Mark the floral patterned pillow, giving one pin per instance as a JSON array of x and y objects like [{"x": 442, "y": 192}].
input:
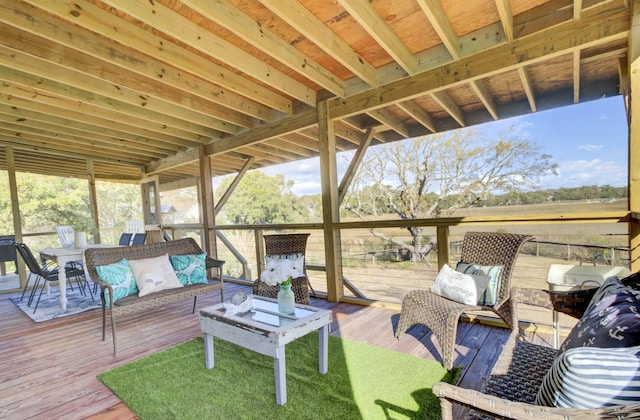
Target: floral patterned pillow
[
  {"x": 297, "y": 259},
  {"x": 190, "y": 269},
  {"x": 120, "y": 277}
]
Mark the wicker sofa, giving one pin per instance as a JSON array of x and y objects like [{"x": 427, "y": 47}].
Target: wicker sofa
[
  {"x": 102, "y": 256},
  {"x": 517, "y": 376}
]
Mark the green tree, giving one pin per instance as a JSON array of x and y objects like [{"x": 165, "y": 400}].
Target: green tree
[
  {"x": 258, "y": 199},
  {"x": 118, "y": 203},
  {"x": 47, "y": 201},
  {"x": 432, "y": 176}
]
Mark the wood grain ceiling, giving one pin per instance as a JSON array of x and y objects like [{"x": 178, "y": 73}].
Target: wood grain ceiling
[{"x": 137, "y": 87}]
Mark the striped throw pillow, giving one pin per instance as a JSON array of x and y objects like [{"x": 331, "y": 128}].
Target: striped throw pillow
[
  {"x": 590, "y": 377},
  {"x": 490, "y": 295}
]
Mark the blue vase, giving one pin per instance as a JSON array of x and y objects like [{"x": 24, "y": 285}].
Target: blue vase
[{"x": 286, "y": 300}]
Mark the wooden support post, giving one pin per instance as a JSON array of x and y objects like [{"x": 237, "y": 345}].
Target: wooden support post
[
  {"x": 330, "y": 205},
  {"x": 444, "y": 249},
  {"x": 634, "y": 137},
  {"x": 93, "y": 201},
  {"x": 206, "y": 204},
  {"x": 259, "y": 250},
  {"x": 15, "y": 211}
]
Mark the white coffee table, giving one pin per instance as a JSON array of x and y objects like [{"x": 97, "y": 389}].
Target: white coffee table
[{"x": 266, "y": 331}]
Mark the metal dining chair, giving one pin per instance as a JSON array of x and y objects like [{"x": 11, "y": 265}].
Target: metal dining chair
[
  {"x": 125, "y": 239},
  {"x": 138, "y": 238},
  {"x": 47, "y": 273}
]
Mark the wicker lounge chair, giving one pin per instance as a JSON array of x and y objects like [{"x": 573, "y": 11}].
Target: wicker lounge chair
[
  {"x": 518, "y": 373},
  {"x": 441, "y": 315},
  {"x": 286, "y": 244}
]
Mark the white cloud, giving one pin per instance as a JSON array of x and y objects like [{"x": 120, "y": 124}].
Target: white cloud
[
  {"x": 591, "y": 147},
  {"x": 579, "y": 173}
]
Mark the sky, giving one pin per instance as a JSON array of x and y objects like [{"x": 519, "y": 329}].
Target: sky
[{"x": 588, "y": 141}]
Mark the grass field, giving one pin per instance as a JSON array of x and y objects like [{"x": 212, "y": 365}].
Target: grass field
[
  {"x": 380, "y": 279},
  {"x": 369, "y": 263}
]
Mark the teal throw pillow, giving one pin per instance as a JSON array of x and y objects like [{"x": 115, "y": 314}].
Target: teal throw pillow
[
  {"x": 490, "y": 296},
  {"x": 190, "y": 269},
  {"x": 120, "y": 277}
]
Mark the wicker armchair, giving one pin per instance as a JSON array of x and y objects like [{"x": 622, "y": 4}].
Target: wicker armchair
[
  {"x": 441, "y": 315},
  {"x": 284, "y": 244},
  {"x": 518, "y": 373}
]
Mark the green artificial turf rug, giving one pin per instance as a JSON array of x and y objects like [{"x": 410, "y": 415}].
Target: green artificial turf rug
[{"x": 363, "y": 382}]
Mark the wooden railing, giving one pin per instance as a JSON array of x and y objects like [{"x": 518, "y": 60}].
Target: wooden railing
[{"x": 446, "y": 231}]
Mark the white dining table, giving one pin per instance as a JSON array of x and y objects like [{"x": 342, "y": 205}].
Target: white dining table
[{"x": 62, "y": 256}]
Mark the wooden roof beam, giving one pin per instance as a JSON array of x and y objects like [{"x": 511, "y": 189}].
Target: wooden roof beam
[
  {"x": 44, "y": 134},
  {"x": 577, "y": 9},
  {"x": 448, "y": 104},
  {"x": 528, "y": 88},
  {"x": 506, "y": 18},
  {"x": 198, "y": 111},
  {"x": 378, "y": 29},
  {"x": 435, "y": 13},
  {"x": 61, "y": 126},
  {"x": 233, "y": 19},
  {"x": 299, "y": 151},
  {"x": 565, "y": 38},
  {"x": 179, "y": 27},
  {"x": 300, "y": 18},
  {"x": 298, "y": 140},
  {"x": 604, "y": 55},
  {"x": 292, "y": 124},
  {"x": 576, "y": 77},
  {"x": 418, "y": 114},
  {"x": 387, "y": 118},
  {"x": 26, "y": 108},
  {"x": 34, "y": 144},
  {"x": 33, "y": 89},
  {"x": 350, "y": 124},
  {"x": 480, "y": 89},
  {"x": 99, "y": 21}
]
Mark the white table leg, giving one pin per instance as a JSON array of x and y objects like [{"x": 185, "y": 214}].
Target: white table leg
[
  {"x": 62, "y": 280},
  {"x": 208, "y": 351},
  {"x": 323, "y": 349},
  {"x": 280, "y": 370}
]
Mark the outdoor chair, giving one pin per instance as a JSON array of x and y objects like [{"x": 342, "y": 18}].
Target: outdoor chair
[
  {"x": 66, "y": 235},
  {"x": 138, "y": 238},
  {"x": 125, "y": 239},
  {"x": 441, "y": 315},
  {"x": 47, "y": 273},
  {"x": 134, "y": 226},
  {"x": 286, "y": 246},
  {"x": 510, "y": 391}
]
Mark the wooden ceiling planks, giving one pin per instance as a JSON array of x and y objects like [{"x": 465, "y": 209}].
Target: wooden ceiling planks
[{"x": 142, "y": 84}]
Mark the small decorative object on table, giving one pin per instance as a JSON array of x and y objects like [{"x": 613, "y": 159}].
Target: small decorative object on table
[
  {"x": 240, "y": 303},
  {"x": 282, "y": 272}
]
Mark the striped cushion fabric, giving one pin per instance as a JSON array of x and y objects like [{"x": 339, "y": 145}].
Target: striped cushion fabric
[
  {"x": 590, "y": 377},
  {"x": 490, "y": 295}
]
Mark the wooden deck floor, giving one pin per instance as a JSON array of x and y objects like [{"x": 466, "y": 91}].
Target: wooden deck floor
[{"x": 48, "y": 370}]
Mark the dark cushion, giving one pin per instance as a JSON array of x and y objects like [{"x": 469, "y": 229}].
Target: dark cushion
[{"x": 612, "y": 319}]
